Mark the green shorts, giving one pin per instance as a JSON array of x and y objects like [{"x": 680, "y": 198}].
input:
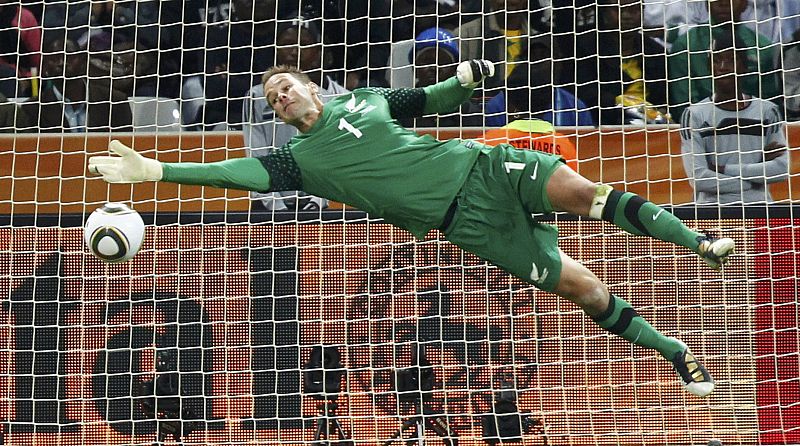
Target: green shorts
[{"x": 493, "y": 217}]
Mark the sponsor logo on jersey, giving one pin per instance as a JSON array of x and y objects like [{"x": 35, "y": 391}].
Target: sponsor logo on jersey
[{"x": 362, "y": 107}]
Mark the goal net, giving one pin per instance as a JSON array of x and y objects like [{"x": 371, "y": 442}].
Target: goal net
[{"x": 289, "y": 319}]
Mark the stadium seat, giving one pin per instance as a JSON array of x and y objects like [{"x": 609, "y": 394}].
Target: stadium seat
[{"x": 154, "y": 114}]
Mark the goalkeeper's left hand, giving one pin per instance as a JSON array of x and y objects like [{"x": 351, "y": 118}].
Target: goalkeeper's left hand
[{"x": 472, "y": 72}]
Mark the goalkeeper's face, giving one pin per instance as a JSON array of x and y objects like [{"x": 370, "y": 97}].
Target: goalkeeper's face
[{"x": 292, "y": 99}]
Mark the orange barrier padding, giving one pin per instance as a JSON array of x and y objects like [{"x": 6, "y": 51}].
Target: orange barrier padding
[
  {"x": 46, "y": 173},
  {"x": 646, "y": 161},
  {"x": 554, "y": 143}
]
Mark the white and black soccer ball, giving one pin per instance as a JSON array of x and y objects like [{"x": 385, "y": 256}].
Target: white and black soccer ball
[{"x": 114, "y": 232}]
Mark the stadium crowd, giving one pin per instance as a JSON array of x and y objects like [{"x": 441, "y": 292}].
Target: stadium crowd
[{"x": 576, "y": 62}]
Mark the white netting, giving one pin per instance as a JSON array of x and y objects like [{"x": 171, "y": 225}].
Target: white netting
[{"x": 221, "y": 318}]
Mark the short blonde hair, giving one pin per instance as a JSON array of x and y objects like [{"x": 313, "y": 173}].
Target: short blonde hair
[{"x": 285, "y": 69}]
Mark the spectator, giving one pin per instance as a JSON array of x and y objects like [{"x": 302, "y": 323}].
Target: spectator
[
  {"x": 574, "y": 21},
  {"x": 575, "y": 25},
  {"x": 20, "y": 49},
  {"x": 498, "y": 36},
  {"x": 666, "y": 20},
  {"x": 411, "y": 16},
  {"x": 237, "y": 49},
  {"x": 776, "y": 19},
  {"x": 357, "y": 37},
  {"x": 368, "y": 39},
  {"x": 689, "y": 61},
  {"x": 83, "y": 20},
  {"x": 791, "y": 77},
  {"x": 420, "y": 56},
  {"x": 632, "y": 68},
  {"x": 104, "y": 24},
  {"x": 435, "y": 56},
  {"x": 123, "y": 38},
  {"x": 72, "y": 101},
  {"x": 151, "y": 60},
  {"x": 298, "y": 45},
  {"x": 532, "y": 93},
  {"x": 200, "y": 18},
  {"x": 733, "y": 144},
  {"x": 169, "y": 23}
]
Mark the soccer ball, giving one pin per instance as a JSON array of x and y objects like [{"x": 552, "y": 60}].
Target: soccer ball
[{"x": 114, "y": 232}]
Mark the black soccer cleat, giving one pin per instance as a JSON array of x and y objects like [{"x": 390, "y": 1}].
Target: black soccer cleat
[
  {"x": 715, "y": 251},
  {"x": 694, "y": 376}
]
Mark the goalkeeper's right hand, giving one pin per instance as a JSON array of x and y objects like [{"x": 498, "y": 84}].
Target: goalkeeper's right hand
[
  {"x": 128, "y": 167},
  {"x": 472, "y": 72}
]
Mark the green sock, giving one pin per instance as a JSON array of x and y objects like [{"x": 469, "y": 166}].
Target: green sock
[
  {"x": 640, "y": 217},
  {"x": 622, "y": 320}
]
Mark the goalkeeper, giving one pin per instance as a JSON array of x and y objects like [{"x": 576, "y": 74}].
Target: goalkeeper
[{"x": 353, "y": 150}]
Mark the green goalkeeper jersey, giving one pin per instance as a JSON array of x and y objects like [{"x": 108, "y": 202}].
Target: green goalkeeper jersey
[{"x": 357, "y": 153}]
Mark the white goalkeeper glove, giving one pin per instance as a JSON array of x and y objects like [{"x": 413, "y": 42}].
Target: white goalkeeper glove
[
  {"x": 128, "y": 167},
  {"x": 472, "y": 72}
]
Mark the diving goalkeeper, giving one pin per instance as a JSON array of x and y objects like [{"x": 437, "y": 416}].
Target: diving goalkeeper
[{"x": 353, "y": 150}]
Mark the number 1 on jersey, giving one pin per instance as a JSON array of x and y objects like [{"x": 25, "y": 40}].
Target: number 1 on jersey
[
  {"x": 344, "y": 125},
  {"x": 513, "y": 166}
]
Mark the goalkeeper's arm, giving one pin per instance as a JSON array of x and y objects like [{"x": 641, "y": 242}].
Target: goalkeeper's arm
[
  {"x": 448, "y": 95},
  {"x": 443, "y": 97},
  {"x": 131, "y": 167},
  {"x": 241, "y": 173}
]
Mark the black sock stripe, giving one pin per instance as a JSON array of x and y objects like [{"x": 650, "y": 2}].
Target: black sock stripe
[
  {"x": 611, "y": 206},
  {"x": 606, "y": 314},
  {"x": 632, "y": 213},
  {"x": 625, "y": 318}
]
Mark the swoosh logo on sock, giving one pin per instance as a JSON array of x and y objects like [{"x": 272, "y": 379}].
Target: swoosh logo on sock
[{"x": 659, "y": 213}]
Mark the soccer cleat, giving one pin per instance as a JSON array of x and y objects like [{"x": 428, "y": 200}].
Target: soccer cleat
[
  {"x": 694, "y": 376},
  {"x": 715, "y": 251}
]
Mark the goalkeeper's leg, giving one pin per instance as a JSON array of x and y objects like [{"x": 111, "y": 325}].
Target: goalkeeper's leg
[
  {"x": 573, "y": 193},
  {"x": 614, "y": 314}
]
